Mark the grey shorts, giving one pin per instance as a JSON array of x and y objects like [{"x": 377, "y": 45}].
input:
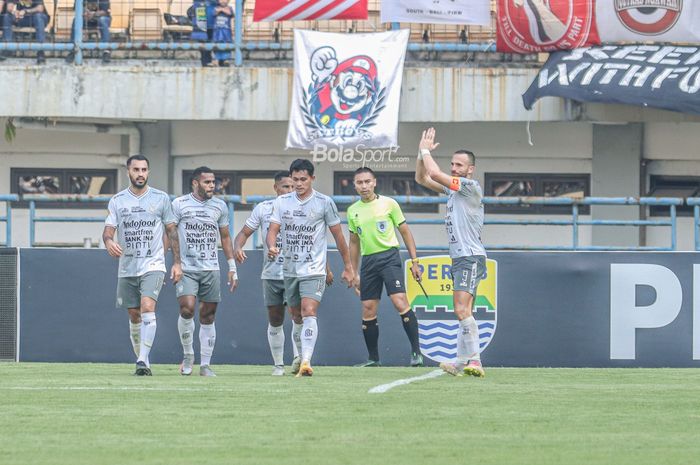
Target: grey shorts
[
  {"x": 205, "y": 285},
  {"x": 273, "y": 292},
  {"x": 311, "y": 287},
  {"x": 467, "y": 272},
  {"x": 130, "y": 289}
]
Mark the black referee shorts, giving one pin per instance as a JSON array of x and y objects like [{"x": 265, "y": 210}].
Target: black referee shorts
[{"x": 381, "y": 269}]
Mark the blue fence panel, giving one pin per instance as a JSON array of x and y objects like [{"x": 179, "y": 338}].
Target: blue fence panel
[{"x": 7, "y": 219}]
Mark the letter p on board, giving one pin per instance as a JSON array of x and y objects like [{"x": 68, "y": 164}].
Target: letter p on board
[{"x": 626, "y": 316}]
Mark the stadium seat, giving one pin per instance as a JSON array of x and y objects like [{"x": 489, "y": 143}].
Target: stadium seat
[
  {"x": 63, "y": 22},
  {"x": 145, "y": 24},
  {"x": 176, "y": 31}
]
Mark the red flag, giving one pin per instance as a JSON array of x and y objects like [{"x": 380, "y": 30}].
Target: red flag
[
  {"x": 300, "y": 10},
  {"x": 531, "y": 26}
]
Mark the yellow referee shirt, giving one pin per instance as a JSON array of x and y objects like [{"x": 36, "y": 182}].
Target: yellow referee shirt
[{"x": 375, "y": 222}]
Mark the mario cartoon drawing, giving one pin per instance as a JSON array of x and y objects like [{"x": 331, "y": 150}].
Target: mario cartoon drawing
[{"x": 344, "y": 98}]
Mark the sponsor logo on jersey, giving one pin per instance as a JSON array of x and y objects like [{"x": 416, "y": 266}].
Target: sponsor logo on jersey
[
  {"x": 648, "y": 17},
  {"x": 437, "y": 323}
]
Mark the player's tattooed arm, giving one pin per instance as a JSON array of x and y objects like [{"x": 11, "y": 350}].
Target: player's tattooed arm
[
  {"x": 348, "y": 273},
  {"x": 113, "y": 249},
  {"x": 271, "y": 239},
  {"x": 238, "y": 243},
  {"x": 176, "y": 271},
  {"x": 434, "y": 174},
  {"x": 232, "y": 278},
  {"x": 426, "y": 145}
]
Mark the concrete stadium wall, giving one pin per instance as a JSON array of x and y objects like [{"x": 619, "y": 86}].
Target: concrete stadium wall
[
  {"x": 551, "y": 309},
  {"x": 666, "y": 148}
]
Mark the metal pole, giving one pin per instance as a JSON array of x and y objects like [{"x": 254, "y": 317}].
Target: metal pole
[
  {"x": 238, "y": 32},
  {"x": 574, "y": 224},
  {"x": 8, "y": 224},
  {"x": 32, "y": 215},
  {"x": 696, "y": 224},
  {"x": 78, "y": 32},
  {"x": 673, "y": 227}
]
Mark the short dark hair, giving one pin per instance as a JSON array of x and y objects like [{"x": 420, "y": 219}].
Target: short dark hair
[
  {"x": 280, "y": 175},
  {"x": 302, "y": 164},
  {"x": 137, "y": 157},
  {"x": 364, "y": 169},
  {"x": 470, "y": 155},
  {"x": 200, "y": 171}
]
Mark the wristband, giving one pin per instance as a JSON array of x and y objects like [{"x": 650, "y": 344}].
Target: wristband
[
  {"x": 424, "y": 152},
  {"x": 231, "y": 264},
  {"x": 414, "y": 260}
]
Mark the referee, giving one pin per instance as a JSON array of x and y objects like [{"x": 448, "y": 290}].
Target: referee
[{"x": 371, "y": 221}]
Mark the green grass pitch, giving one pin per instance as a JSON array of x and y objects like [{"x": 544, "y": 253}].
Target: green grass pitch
[{"x": 101, "y": 414}]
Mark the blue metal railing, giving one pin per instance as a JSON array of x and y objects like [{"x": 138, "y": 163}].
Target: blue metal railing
[
  {"x": 575, "y": 222},
  {"x": 98, "y": 200},
  {"x": 238, "y": 45},
  {"x": 7, "y": 219}
]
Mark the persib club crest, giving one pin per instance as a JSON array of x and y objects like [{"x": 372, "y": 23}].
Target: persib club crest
[
  {"x": 344, "y": 99},
  {"x": 437, "y": 323}
]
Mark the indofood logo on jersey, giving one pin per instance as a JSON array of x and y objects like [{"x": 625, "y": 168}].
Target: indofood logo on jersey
[
  {"x": 648, "y": 17},
  {"x": 437, "y": 322},
  {"x": 344, "y": 99}
]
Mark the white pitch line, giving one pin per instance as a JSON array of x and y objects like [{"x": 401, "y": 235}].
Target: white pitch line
[
  {"x": 107, "y": 388},
  {"x": 400, "y": 382}
]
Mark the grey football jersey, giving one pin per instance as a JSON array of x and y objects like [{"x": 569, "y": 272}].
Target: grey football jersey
[
  {"x": 198, "y": 226},
  {"x": 139, "y": 222},
  {"x": 303, "y": 230},
  {"x": 464, "y": 218},
  {"x": 260, "y": 218}
]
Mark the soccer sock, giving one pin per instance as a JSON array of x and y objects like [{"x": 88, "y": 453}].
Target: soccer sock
[
  {"x": 467, "y": 340},
  {"x": 135, "y": 336},
  {"x": 370, "y": 330},
  {"x": 186, "y": 330},
  {"x": 308, "y": 337},
  {"x": 296, "y": 338},
  {"x": 148, "y": 334},
  {"x": 275, "y": 337},
  {"x": 207, "y": 339},
  {"x": 410, "y": 325}
]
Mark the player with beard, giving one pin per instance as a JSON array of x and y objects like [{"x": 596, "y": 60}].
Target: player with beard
[
  {"x": 302, "y": 217},
  {"x": 372, "y": 222},
  {"x": 463, "y": 221},
  {"x": 202, "y": 222},
  {"x": 138, "y": 214}
]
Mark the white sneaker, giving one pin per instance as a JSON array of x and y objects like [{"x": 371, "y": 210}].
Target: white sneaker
[
  {"x": 186, "y": 365},
  {"x": 205, "y": 370},
  {"x": 296, "y": 364},
  {"x": 278, "y": 370}
]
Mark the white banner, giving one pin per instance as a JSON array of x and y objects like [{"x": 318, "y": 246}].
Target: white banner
[
  {"x": 648, "y": 20},
  {"x": 346, "y": 89},
  {"x": 437, "y": 11}
]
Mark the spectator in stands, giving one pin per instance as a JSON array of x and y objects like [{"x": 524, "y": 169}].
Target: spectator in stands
[
  {"x": 201, "y": 13},
  {"x": 26, "y": 13},
  {"x": 97, "y": 15},
  {"x": 223, "y": 14}
]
